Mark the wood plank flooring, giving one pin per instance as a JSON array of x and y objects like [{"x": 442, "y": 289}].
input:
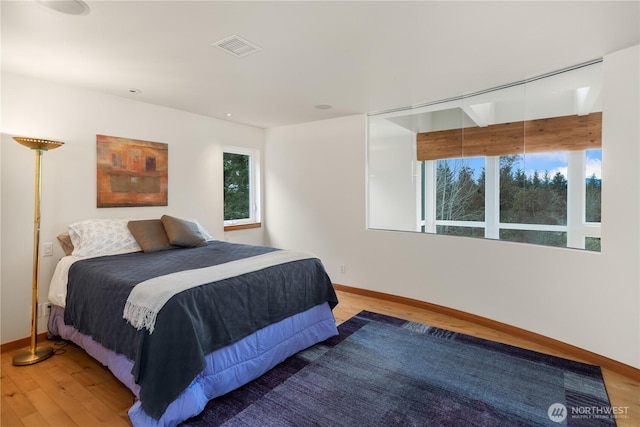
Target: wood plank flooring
[{"x": 72, "y": 389}]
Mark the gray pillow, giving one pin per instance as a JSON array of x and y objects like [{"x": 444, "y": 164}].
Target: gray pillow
[
  {"x": 150, "y": 235},
  {"x": 182, "y": 232},
  {"x": 65, "y": 242}
]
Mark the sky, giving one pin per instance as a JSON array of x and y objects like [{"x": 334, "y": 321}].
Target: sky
[
  {"x": 557, "y": 162},
  {"x": 552, "y": 162}
]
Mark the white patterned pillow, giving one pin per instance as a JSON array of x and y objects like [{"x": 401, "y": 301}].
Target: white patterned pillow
[{"x": 98, "y": 237}]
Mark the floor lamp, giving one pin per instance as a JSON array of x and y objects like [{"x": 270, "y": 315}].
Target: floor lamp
[{"x": 35, "y": 354}]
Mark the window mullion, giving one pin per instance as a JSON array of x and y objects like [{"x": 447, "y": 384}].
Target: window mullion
[
  {"x": 430, "y": 196},
  {"x": 492, "y": 197}
]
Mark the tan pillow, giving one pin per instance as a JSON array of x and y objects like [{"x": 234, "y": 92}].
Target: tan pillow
[
  {"x": 65, "y": 242},
  {"x": 150, "y": 235},
  {"x": 182, "y": 233}
]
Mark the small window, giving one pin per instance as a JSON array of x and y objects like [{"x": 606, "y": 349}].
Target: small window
[{"x": 241, "y": 199}]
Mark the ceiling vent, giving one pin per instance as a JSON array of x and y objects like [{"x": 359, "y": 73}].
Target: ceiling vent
[{"x": 237, "y": 46}]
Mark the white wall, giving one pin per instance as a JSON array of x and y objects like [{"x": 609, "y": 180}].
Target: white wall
[
  {"x": 40, "y": 109},
  {"x": 315, "y": 201}
]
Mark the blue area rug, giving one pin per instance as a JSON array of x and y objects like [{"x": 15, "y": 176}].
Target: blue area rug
[{"x": 383, "y": 371}]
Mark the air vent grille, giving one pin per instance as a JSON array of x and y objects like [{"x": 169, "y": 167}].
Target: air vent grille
[{"x": 237, "y": 46}]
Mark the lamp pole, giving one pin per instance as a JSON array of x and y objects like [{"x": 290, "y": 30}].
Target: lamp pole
[{"x": 35, "y": 354}]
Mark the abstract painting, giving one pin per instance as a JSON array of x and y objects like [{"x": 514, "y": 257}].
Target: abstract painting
[{"x": 131, "y": 172}]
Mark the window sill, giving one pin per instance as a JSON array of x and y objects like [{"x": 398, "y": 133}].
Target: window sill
[{"x": 242, "y": 226}]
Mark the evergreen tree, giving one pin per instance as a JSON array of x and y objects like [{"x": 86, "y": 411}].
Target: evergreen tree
[
  {"x": 536, "y": 199},
  {"x": 236, "y": 186},
  {"x": 594, "y": 200}
]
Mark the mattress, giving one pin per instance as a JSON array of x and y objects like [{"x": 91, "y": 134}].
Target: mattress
[{"x": 226, "y": 369}]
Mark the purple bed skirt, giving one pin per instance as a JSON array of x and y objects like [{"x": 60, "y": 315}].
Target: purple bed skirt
[{"x": 227, "y": 368}]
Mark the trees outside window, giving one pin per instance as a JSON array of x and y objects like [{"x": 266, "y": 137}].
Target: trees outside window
[
  {"x": 533, "y": 203},
  {"x": 240, "y": 186}
]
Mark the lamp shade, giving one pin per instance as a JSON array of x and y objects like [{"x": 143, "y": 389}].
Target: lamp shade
[{"x": 38, "y": 144}]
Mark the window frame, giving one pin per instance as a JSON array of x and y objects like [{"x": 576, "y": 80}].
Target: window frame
[
  {"x": 577, "y": 228},
  {"x": 255, "y": 210}
]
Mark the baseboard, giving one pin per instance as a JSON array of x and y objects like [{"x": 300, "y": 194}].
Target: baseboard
[
  {"x": 21, "y": 343},
  {"x": 577, "y": 352}
]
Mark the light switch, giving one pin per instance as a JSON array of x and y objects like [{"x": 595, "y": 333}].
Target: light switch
[{"x": 47, "y": 249}]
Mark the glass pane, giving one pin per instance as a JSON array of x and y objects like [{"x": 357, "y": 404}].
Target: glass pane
[
  {"x": 593, "y": 174},
  {"x": 547, "y": 238},
  {"x": 460, "y": 189},
  {"x": 237, "y": 191},
  {"x": 592, "y": 244},
  {"x": 394, "y": 176},
  {"x": 512, "y": 185},
  {"x": 460, "y": 231},
  {"x": 533, "y": 188},
  {"x": 493, "y": 158}
]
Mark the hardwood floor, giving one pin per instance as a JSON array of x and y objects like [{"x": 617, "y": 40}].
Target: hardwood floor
[{"x": 72, "y": 389}]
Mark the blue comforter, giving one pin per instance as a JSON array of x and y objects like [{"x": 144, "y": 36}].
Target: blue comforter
[{"x": 193, "y": 323}]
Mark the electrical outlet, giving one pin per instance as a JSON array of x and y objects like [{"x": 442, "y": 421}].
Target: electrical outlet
[
  {"x": 343, "y": 268},
  {"x": 44, "y": 309}
]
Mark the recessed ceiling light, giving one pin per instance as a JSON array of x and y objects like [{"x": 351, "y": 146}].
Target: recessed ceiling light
[
  {"x": 324, "y": 107},
  {"x": 228, "y": 114},
  {"x": 134, "y": 90},
  {"x": 68, "y": 7}
]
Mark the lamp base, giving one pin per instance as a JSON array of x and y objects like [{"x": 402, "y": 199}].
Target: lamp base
[{"x": 28, "y": 358}]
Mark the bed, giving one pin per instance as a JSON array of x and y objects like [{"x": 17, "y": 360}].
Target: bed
[{"x": 181, "y": 318}]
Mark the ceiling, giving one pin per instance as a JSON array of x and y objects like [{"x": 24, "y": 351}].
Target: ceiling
[{"x": 357, "y": 57}]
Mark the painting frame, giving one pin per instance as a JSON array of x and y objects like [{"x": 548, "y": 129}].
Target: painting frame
[{"x": 131, "y": 172}]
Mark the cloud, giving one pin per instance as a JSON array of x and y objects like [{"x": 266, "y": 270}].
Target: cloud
[
  {"x": 563, "y": 170},
  {"x": 551, "y": 156},
  {"x": 594, "y": 166}
]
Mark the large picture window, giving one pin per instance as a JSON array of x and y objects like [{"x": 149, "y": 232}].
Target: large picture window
[{"x": 521, "y": 163}]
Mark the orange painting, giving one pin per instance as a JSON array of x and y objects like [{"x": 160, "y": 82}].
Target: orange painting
[{"x": 131, "y": 172}]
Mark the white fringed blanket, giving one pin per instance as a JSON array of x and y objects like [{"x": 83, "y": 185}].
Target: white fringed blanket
[{"x": 148, "y": 297}]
